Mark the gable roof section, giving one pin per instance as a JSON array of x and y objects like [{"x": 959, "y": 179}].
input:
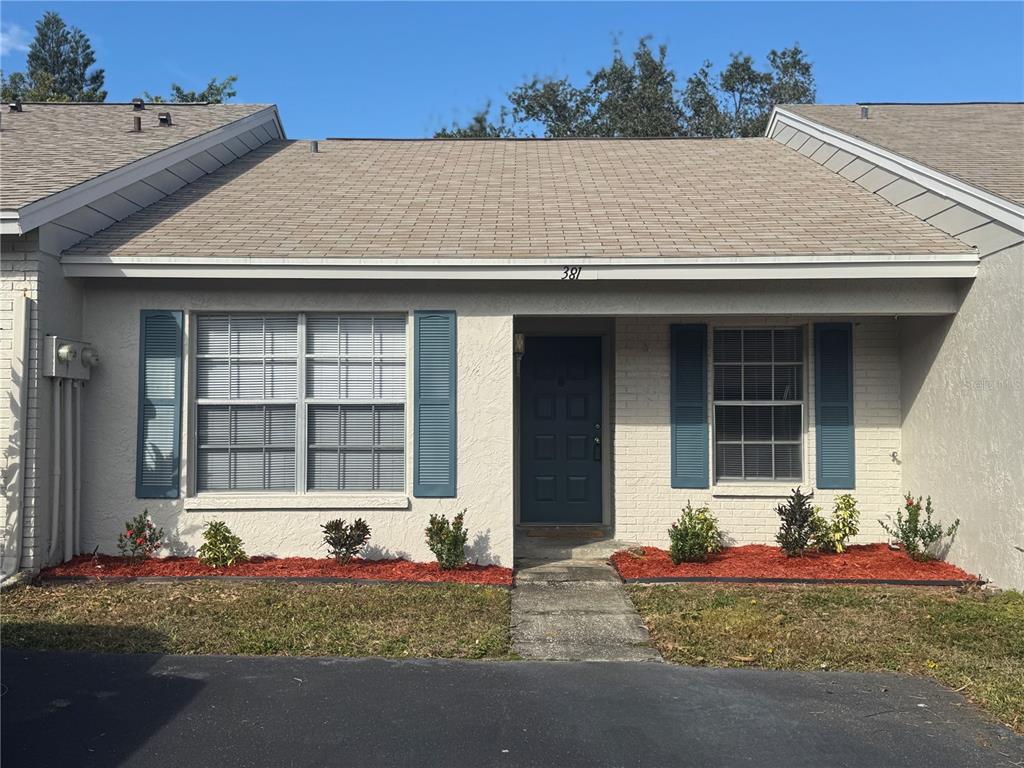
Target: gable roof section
[
  {"x": 488, "y": 201},
  {"x": 981, "y": 144},
  {"x": 986, "y": 150},
  {"x": 50, "y": 153}
]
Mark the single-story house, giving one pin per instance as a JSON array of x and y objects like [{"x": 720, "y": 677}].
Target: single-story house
[{"x": 206, "y": 320}]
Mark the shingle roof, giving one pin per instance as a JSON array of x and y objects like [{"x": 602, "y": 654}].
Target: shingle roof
[
  {"x": 982, "y": 144},
  {"x": 47, "y": 148},
  {"x": 520, "y": 199}
]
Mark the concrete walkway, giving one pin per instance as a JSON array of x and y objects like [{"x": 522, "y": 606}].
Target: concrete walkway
[{"x": 569, "y": 604}]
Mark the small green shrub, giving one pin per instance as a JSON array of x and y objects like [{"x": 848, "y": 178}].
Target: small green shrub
[
  {"x": 801, "y": 523},
  {"x": 915, "y": 534},
  {"x": 835, "y": 533},
  {"x": 694, "y": 536},
  {"x": 344, "y": 541},
  {"x": 221, "y": 547},
  {"x": 447, "y": 540},
  {"x": 140, "y": 538}
]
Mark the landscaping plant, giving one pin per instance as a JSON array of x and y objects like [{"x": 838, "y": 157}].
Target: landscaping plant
[
  {"x": 344, "y": 541},
  {"x": 801, "y": 523},
  {"x": 447, "y": 540},
  {"x": 140, "y": 538},
  {"x": 694, "y": 536},
  {"x": 221, "y": 547},
  {"x": 833, "y": 534},
  {"x": 915, "y": 534}
]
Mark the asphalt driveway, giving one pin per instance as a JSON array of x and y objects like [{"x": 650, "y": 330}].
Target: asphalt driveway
[{"x": 62, "y": 709}]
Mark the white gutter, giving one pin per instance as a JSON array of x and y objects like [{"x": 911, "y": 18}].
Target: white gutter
[
  {"x": 28, "y": 217},
  {"x": 963, "y": 265},
  {"x": 993, "y": 206}
]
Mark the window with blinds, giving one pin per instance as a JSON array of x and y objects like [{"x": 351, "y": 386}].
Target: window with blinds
[
  {"x": 300, "y": 403},
  {"x": 758, "y": 403}
]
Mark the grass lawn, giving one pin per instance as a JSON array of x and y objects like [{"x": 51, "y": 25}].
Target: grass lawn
[
  {"x": 969, "y": 640},
  {"x": 397, "y": 621}
]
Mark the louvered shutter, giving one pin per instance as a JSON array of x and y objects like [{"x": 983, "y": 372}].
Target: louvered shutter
[
  {"x": 833, "y": 366},
  {"x": 434, "y": 441},
  {"x": 158, "y": 454},
  {"x": 689, "y": 406}
]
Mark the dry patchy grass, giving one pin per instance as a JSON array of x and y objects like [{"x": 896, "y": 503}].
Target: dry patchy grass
[
  {"x": 397, "y": 621},
  {"x": 969, "y": 640}
]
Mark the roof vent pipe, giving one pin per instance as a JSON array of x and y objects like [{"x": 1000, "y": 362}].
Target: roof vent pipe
[
  {"x": 164, "y": 118},
  {"x": 138, "y": 105},
  {"x": 863, "y": 113},
  {"x": 314, "y": 147},
  {"x": 137, "y": 124}
]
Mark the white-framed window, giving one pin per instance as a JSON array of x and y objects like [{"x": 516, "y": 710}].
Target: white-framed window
[
  {"x": 300, "y": 402},
  {"x": 758, "y": 403}
]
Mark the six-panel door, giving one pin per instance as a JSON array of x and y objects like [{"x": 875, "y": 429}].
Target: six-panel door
[{"x": 560, "y": 430}]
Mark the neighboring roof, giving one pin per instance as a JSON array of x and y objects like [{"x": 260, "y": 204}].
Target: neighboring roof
[
  {"x": 981, "y": 144},
  {"x": 49, "y": 148},
  {"x": 505, "y": 199}
]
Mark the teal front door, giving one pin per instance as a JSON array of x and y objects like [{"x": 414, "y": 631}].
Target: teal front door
[{"x": 560, "y": 430}]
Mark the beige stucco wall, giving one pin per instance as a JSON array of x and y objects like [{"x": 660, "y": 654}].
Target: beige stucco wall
[
  {"x": 963, "y": 421},
  {"x": 484, "y": 427},
  {"x": 645, "y": 502}
]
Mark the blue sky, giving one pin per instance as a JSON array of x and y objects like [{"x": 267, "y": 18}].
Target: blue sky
[{"x": 397, "y": 69}]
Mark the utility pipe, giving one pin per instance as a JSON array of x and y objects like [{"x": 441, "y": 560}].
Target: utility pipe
[
  {"x": 69, "y": 488},
  {"x": 78, "y": 385},
  {"x": 55, "y": 471}
]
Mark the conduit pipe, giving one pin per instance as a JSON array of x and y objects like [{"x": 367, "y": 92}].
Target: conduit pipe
[
  {"x": 78, "y": 385},
  {"x": 55, "y": 469},
  {"x": 69, "y": 467}
]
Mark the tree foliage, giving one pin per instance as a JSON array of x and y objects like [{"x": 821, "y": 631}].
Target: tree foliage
[
  {"x": 479, "y": 127},
  {"x": 214, "y": 93},
  {"x": 57, "y": 67},
  {"x": 639, "y": 98}
]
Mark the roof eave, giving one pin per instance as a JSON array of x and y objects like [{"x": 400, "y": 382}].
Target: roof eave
[{"x": 824, "y": 266}]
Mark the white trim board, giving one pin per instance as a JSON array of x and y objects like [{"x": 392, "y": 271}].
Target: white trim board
[
  {"x": 64, "y": 202},
  {"x": 669, "y": 268},
  {"x": 993, "y": 206}
]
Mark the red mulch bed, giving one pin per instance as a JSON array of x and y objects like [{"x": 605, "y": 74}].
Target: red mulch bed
[
  {"x": 757, "y": 561},
  {"x": 107, "y": 566}
]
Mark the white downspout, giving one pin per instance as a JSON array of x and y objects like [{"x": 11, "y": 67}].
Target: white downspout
[
  {"x": 69, "y": 488},
  {"x": 78, "y": 466},
  {"x": 55, "y": 472}
]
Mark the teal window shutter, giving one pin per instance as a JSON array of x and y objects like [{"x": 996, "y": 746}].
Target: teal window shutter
[
  {"x": 158, "y": 451},
  {"x": 833, "y": 371},
  {"x": 434, "y": 438},
  {"x": 689, "y": 406}
]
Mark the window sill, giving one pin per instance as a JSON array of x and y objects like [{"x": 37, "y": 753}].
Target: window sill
[
  {"x": 765, "y": 490},
  {"x": 232, "y": 501}
]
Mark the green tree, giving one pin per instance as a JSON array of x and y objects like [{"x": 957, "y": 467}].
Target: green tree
[
  {"x": 622, "y": 99},
  {"x": 479, "y": 127},
  {"x": 57, "y": 66},
  {"x": 639, "y": 98},
  {"x": 214, "y": 93}
]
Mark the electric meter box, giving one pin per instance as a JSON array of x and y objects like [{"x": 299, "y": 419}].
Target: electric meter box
[{"x": 68, "y": 359}]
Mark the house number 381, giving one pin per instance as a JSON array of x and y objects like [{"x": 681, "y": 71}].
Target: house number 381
[{"x": 571, "y": 273}]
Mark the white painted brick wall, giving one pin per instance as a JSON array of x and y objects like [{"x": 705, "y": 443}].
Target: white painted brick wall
[
  {"x": 646, "y": 504},
  {"x": 19, "y": 277}
]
